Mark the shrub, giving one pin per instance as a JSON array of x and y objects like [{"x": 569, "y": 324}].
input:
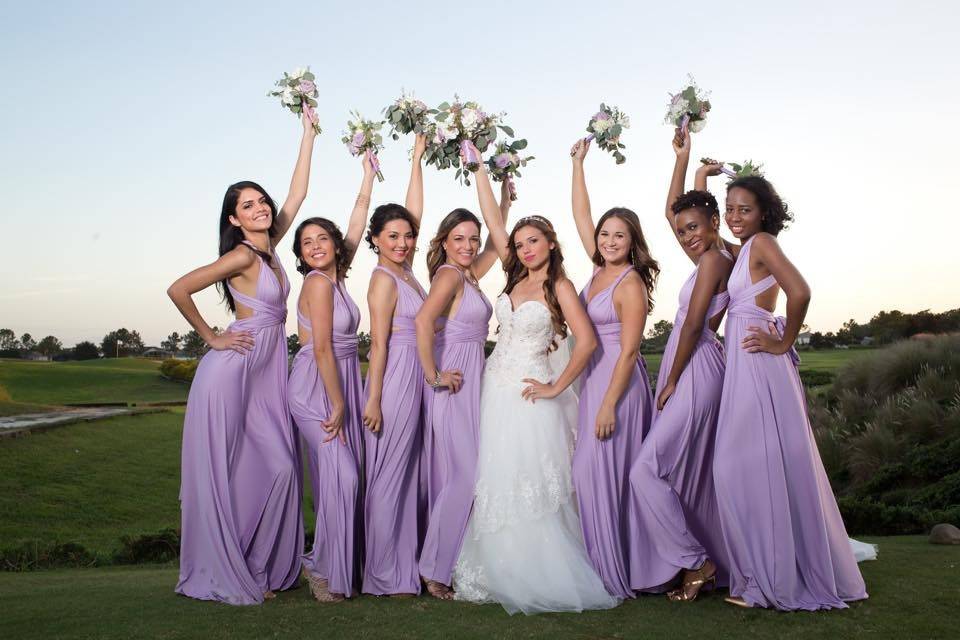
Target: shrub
[
  {"x": 162, "y": 546},
  {"x": 182, "y": 370},
  {"x": 34, "y": 554},
  {"x": 816, "y": 378}
]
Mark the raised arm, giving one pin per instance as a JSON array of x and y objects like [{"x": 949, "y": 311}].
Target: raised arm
[
  {"x": 488, "y": 257},
  {"x": 382, "y": 300},
  {"x": 681, "y": 147},
  {"x": 705, "y": 171},
  {"x": 298, "y": 183},
  {"x": 766, "y": 250},
  {"x": 492, "y": 214},
  {"x": 585, "y": 341},
  {"x": 414, "y": 202},
  {"x": 582, "y": 215},
  {"x": 181, "y": 293},
  {"x": 630, "y": 301},
  {"x": 443, "y": 289},
  {"x": 713, "y": 268},
  {"x": 358, "y": 217},
  {"x": 318, "y": 294}
]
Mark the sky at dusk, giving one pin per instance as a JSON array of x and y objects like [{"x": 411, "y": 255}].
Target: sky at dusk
[{"x": 123, "y": 123}]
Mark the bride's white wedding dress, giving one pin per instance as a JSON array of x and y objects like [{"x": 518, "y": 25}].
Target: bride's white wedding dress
[{"x": 523, "y": 546}]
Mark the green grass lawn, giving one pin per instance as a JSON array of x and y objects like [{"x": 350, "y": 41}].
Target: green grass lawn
[
  {"x": 913, "y": 594},
  {"x": 90, "y": 483},
  {"x": 109, "y": 380}
]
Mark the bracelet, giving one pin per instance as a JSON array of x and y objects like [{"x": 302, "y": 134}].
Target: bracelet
[{"x": 436, "y": 380}]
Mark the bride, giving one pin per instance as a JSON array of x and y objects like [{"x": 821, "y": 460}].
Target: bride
[{"x": 523, "y": 546}]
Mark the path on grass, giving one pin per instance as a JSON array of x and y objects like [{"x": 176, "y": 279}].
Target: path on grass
[{"x": 30, "y": 421}]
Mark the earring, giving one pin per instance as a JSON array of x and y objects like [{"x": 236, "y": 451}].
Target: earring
[{"x": 376, "y": 249}]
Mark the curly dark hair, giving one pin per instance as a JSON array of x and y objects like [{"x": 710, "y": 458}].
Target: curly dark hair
[
  {"x": 774, "y": 213},
  {"x": 343, "y": 253},
  {"x": 702, "y": 201},
  {"x": 384, "y": 214},
  {"x": 640, "y": 259}
]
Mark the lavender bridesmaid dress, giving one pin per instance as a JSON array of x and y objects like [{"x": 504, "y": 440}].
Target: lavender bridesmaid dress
[
  {"x": 675, "y": 502},
  {"x": 786, "y": 541},
  {"x": 601, "y": 467},
  {"x": 392, "y": 455},
  {"x": 335, "y": 467},
  {"x": 452, "y": 433},
  {"x": 242, "y": 530}
]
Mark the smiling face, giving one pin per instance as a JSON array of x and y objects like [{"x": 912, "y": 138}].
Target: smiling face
[
  {"x": 317, "y": 248},
  {"x": 742, "y": 214},
  {"x": 696, "y": 232},
  {"x": 532, "y": 247},
  {"x": 463, "y": 244},
  {"x": 395, "y": 241},
  {"x": 614, "y": 241},
  {"x": 253, "y": 212}
]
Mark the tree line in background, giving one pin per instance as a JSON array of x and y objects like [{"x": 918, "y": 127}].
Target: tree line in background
[{"x": 884, "y": 328}]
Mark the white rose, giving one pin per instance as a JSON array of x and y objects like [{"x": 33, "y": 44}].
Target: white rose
[
  {"x": 599, "y": 126},
  {"x": 289, "y": 97},
  {"x": 696, "y": 126},
  {"x": 469, "y": 119},
  {"x": 298, "y": 73},
  {"x": 625, "y": 122}
]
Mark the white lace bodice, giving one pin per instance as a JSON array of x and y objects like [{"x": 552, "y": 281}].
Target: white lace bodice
[{"x": 522, "y": 345}]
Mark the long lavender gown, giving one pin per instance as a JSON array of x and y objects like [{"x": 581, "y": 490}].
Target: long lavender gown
[
  {"x": 335, "y": 467},
  {"x": 672, "y": 479},
  {"x": 452, "y": 433},
  {"x": 601, "y": 468},
  {"x": 392, "y": 455},
  {"x": 242, "y": 530},
  {"x": 786, "y": 541}
]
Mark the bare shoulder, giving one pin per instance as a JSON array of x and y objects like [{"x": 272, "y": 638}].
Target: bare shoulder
[
  {"x": 631, "y": 285},
  {"x": 563, "y": 287},
  {"x": 381, "y": 284},
  {"x": 240, "y": 257},
  {"x": 765, "y": 241},
  {"x": 317, "y": 286},
  {"x": 715, "y": 262}
]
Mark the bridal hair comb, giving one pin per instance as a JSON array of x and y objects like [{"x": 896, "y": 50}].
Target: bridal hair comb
[{"x": 539, "y": 219}]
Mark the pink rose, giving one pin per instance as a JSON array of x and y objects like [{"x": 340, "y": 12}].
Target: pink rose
[
  {"x": 307, "y": 86},
  {"x": 502, "y": 161},
  {"x": 602, "y": 115}
]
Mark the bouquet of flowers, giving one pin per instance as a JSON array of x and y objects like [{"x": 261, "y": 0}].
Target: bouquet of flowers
[
  {"x": 605, "y": 127},
  {"x": 298, "y": 93},
  {"x": 363, "y": 136},
  {"x": 505, "y": 163},
  {"x": 406, "y": 114},
  {"x": 455, "y": 125},
  {"x": 747, "y": 169},
  {"x": 688, "y": 108}
]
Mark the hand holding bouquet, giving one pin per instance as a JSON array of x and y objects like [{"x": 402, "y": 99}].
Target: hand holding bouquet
[
  {"x": 688, "y": 108},
  {"x": 406, "y": 115},
  {"x": 745, "y": 170},
  {"x": 505, "y": 163},
  {"x": 453, "y": 127},
  {"x": 363, "y": 136},
  {"x": 298, "y": 92},
  {"x": 605, "y": 127}
]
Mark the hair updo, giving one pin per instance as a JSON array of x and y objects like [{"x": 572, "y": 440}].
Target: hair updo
[
  {"x": 702, "y": 201},
  {"x": 384, "y": 214}
]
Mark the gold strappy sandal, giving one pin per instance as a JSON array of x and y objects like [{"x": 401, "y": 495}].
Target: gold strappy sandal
[{"x": 693, "y": 582}]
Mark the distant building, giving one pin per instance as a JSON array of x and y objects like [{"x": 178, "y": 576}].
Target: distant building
[
  {"x": 867, "y": 341},
  {"x": 803, "y": 338},
  {"x": 34, "y": 355},
  {"x": 157, "y": 353}
]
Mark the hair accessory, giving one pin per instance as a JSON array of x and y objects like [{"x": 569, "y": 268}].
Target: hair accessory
[{"x": 539, "y": 219}]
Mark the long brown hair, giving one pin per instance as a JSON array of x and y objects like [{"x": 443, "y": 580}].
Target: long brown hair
[
  {"x": 640, "y": 259},
  {"x": 516, "y": 271},
  {"x": 436, "y": 255}
]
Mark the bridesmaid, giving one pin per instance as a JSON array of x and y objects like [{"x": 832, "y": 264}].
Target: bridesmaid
[
  {"x": 452, "y": 360},
  {"x": 393, "y": 396},
  {"x": 787, "y": 544},
  {"x": 672, "y": 479},
  {"x": 615, "y": 400},
  {"x": 325, "y": 395},
  {"x": 241, "y": 528}
]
